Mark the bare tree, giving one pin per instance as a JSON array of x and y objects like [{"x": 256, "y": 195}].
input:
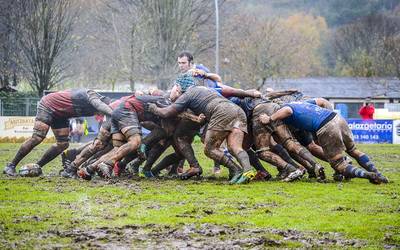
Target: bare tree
[
  {"x": 165, "y": 28},
  {"x": 369, "y": 46},
  {"x": 45, "y": 28},
  {"x": 262, "y": 49},
  {"x": 9, "y": 53}
]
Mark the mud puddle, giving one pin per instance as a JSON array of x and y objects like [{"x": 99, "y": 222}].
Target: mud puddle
[{"x": 204, "y": 236}]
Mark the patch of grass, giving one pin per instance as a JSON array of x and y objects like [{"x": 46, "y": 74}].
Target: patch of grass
[{"x": 30, "y": 207}]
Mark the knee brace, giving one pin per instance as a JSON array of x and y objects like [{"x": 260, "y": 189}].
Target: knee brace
[
  {"x": 61, "y": 138},
  {"x": 339, "y": 165},
  {"x": 63, "y": 144},
  {"x": 259, "y": 151},
  {"x": 118, "y": 140},
  {"x": 131, "y": 131},
  {"x": 349, "y": 151},
  {"x": 39, "y": 133}
]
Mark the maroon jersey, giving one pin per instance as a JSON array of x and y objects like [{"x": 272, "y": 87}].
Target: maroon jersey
[
  {"x": 117, "y": 102},
  {"x": 72, "y": 103},
  {"x": 138, "y": 104}
]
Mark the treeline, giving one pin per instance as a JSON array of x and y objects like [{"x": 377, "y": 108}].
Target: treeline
[{"x": 99, "y": 43}]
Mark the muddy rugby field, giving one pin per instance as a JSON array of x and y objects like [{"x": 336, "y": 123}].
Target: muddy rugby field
[{"x": 50, "y": 212}]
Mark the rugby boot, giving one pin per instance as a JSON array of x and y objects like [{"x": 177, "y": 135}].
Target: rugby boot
[
  {"x": 320, "y": 172},
  {"x": 117, "y": 169},
  {"x": 105, "y": 169},
  {"x": 68, "y": 156},
  {"x": 246, "y": 177},
  {"x": 147, "y": 174},
  {"x": 383, "y": 178},
  {"x": 86, "y": 173},
  {"x": 134, "y": 166},
  {"x": 192, "y": 171},
  {"x": 262, "y": 176},
  {"x": 10, "y": 170},
  {"x": 295, "y": 175},
  {"x": 235, "y": 177},
  {"x": 235, "y": 171},
  {"x": 69, "y": 171},
  {"x": 283, "y": 173},
  {"x": 311, "y": 174},
  {"x": 375, "y": 178},
  {"x": 338, "y": 176}
]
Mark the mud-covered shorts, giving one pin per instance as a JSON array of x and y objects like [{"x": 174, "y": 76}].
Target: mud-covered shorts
[
  {"x": 264, "y": 108},
  {"x": 335, "y": 137},
  {"x": 123, "y": 118},
  {"x": 46, "y": 115},
  {"x": 227, "y": 116}
]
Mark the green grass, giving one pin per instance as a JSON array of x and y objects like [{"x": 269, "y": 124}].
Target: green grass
[{"x": 30, "y": 207}]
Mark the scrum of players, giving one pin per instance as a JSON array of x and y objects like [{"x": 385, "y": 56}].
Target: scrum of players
[{"x": 238, "y": 128}]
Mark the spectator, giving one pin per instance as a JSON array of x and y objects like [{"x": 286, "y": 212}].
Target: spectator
[
  {"x": 77, "y": 130},
  {"x": 367, "y": 110}
]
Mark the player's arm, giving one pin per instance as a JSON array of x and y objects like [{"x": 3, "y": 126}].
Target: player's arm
[
  {"x": 276, "y": 94},
  {"x": 278, "y": 115},
  {"x": 211, "y": 76},
  {"x": 194, "y": 118},
  {"x": 228, "y": 91},
  {"x": 165, "y": 112},
  {"x": 323, "y": 103},
  {"x": 98, "y": 104}
]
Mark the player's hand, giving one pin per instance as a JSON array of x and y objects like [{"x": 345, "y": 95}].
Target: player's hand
[
  {"x": 152, "y": 108},
  {"x": 265, "y": 119},
  {"x": 256, "y": 93},
  {"x": 199, "y": 73},
  {"x": 202, "y": 118}
]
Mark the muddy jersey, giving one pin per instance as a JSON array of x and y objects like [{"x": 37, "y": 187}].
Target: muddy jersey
[
  {"x": 201, "y": 81},
  {"x": 139, "y": 104},
  {"x": 247, "y": 104},
  {"x": 297, "y": 96},
  {"x": 307, "y": 116},
  {"x": 199, "y": 99},
  {"x": 71, "y": 103}
]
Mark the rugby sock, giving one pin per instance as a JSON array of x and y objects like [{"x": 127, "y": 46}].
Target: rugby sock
[
  {"x": 231, "y": 165},
  {"x": 51, "y": 153},
  {"x": 130, "y": 157},
  {"x": 365, "y": 162},
  {"x": 154, "y": 153},
  {"x": 167, "y": 161},
  {"x": 254, "y": 161},
  {"x": 283, "y": 153},
  {"x": 353, "y": 172},
  {"x": 187, "y": 151},
  {"x": 244, "y": 160},
  {"x": 306, "y": 155}
]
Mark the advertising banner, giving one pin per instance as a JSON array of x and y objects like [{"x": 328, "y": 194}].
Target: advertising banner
[
  {"x": 17, "y": 126},
  {"x": 372, "y": 131}
]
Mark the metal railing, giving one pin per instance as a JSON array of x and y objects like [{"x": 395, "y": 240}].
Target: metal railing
[
  {"x": 18, "y": 106},
  {"x": 393, "y": 107}
]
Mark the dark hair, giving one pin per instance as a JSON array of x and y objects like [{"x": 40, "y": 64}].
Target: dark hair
[{"x": 187, "y": 54}]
